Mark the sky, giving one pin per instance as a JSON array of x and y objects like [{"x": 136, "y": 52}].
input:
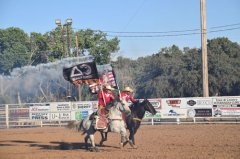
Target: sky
[{"x": 168, "y": 21}]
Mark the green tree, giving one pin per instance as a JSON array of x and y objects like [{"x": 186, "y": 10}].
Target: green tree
[
  {"x": 96, "y": 44},
  {"x": 14, "y": 49},
  {"x": 39, "y": 48}
]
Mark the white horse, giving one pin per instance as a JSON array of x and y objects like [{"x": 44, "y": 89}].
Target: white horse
[{"x": 116, "y": 125}]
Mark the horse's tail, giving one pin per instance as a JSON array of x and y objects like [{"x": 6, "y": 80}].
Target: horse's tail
[{"x": 74, "y": 125}]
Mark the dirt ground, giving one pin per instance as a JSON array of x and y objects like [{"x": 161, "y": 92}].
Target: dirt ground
[{"x": 220, "y": 141}]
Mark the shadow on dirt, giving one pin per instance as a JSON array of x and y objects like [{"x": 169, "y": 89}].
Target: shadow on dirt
[{"x": 52, "y": 145}]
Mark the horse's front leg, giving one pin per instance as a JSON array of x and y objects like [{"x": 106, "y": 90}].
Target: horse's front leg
[
  {"x": 86, "y": 141},
  {"x": 104, "y": 138},
  {"x": 94, "y": 148}
]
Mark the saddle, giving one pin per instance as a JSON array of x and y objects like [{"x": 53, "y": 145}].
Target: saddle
[{"x": 100, "y": 119}]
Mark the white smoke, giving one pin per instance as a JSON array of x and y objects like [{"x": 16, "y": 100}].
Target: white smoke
[{"x": 38, "y": 82}]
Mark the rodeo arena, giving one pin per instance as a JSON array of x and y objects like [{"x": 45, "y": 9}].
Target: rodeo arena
[{"x": 192, "y": 127}]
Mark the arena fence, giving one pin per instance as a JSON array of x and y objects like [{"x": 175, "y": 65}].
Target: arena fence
[{"x": 194, "y": 110}]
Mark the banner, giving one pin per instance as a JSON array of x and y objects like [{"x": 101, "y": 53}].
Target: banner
[
  {"x": 82, "y": 73},
  {"x": 106, "y": 77}
]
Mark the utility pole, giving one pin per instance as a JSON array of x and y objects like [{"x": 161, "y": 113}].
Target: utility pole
[
  {"x": 204, "y": 48},
  {"x": 77, "y": 54}
]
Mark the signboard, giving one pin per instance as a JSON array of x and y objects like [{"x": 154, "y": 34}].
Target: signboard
[
  {"x": 174, "y": 113},
  {"x": 149, "y": 115},
  {"x": 174, "y": 102},
  {"x": 226, "y": 106},
  {"x": 61, "y": 116},
  {"x": 197, "y": 112},
  {"x": 39, "y": 112},
  {"x": 199, "y": 102},
  {"x": 82, "y": 105},
  {"x": 79, "y": 115},
  {"x": 19, "y": 113},
  {"x": 60, "y": 106}
]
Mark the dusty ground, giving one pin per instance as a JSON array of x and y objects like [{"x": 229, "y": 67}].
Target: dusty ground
[{"x": 158, "y": 142}]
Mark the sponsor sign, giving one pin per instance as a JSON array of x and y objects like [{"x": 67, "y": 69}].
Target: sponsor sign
[
  {"x": 39, "y": 112},
  {"x": 174, "y": 103},
  {"x": 19, "y": 113},
  {"x": 226, "y": 106},
  {"x": 61, "y": 116},
  {"x": 226, "y": 102},
  {"x": 199, "y": 102},
  {"x": 39, "y": 116},
  {"x": 60, "y": 106},
  {"x": 199, "y": 112},
  {"x": 82, "y": 105},
  {"x": 174, "y": 113},
  {"x": 40, "y": 108},
  {"x": 149, "y": 115},
  {"x": 227, "y": 112},
  {"x": 81, "y": 115}
]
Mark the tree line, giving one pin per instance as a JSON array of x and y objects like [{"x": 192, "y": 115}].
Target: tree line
[{"x": 171, "y": 72}]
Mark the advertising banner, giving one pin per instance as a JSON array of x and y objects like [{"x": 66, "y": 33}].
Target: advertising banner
[
  {"x": 86, "y": 105},
  {"x": 203, "y": 102},
  {"x": 60, "y": 106},
  {"x": 60, "y": 116},
  {"x": 79, "y": 115},
  {"x": 226, "y": 106},
  {"x": 199, "y": 107},
  {"x": 19, "y": 113},
  {"x": 198, "y": 112},
  {"x": 40, "y": 112},
  {"x": 173, "y": 108},
  {"x": 174, "y": 102}
]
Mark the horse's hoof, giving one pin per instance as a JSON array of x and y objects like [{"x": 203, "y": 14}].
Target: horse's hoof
[
  {"x": 94, "y": 149},
  {"x": 121, "y": 145},
  {"x": 132, "y": 145},
  {"x": 125, "y": 143}
]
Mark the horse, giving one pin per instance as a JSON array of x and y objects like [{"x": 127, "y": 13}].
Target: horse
[
  {"x": 116, "y": 125},
  {"x": 133, "y": 121}
]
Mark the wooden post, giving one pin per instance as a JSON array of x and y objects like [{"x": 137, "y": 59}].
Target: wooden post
[
  {"x": 204, "y": 48},
  {"x": 7, "y": 116}
]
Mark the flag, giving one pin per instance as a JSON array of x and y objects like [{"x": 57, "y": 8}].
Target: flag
[
  {"x": 106, "y": 77},
  {"x": 91, "y": 74},
  {"x": 82, "y": 73}
]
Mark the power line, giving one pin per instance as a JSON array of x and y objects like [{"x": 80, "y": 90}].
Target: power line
[
  {"x": 169, "y": 35},
  {"x": 188, "y": 30}
]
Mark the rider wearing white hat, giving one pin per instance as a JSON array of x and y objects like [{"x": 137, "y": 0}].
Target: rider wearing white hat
[{"x": 127, "y": 94}]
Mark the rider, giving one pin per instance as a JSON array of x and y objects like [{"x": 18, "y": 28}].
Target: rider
[
  {"x": 127, "y": 95},
  {"x": 104, "y": 98}
]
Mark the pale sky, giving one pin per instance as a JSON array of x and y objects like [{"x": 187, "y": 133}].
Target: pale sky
[{"x": 161, "y": 17}]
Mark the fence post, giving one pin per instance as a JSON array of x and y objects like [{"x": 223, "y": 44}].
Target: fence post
[
  {"x": 7, "y": 117},
  {"x": 152, "y": 121},
  {"x": 178, "y": 121},
  {"x": 194, "y": 120}
]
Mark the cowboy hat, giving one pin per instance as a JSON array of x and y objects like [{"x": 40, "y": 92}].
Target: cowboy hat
[
  {"x": 128, "y": 89},
  {"x": 108, "y": 87}
]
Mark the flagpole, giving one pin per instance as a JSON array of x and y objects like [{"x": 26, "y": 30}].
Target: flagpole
[{"x": 102, "y": 92}]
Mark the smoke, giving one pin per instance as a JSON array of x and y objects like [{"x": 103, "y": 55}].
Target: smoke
[{"x": 41, "y": 83}]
